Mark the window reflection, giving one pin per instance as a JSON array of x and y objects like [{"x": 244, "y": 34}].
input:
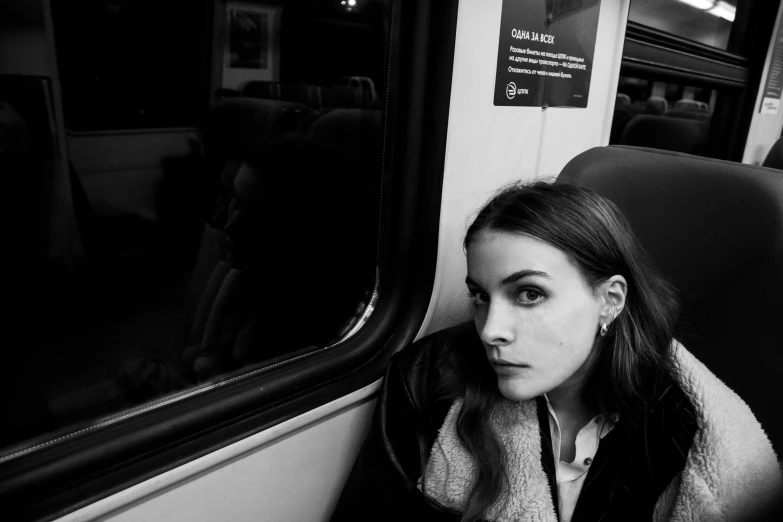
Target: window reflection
[
  {"x": 705, "y": 21},
  {"x": 662, "y": 115},
  {"x": 263, "y": 234}
]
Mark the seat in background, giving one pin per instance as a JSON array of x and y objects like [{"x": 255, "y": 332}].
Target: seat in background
[
  {"x": 689, "y": 114},
  {"x": 294, "y": 194},
  {"x": 624, "y": 112},
  {"x": 259, "y": 89},
  {"x": 657, "y": 104},
  {"x": 715, "y": 229},
  {"x": 661, "y": 132},
  {"x": 692, "y": 105}
]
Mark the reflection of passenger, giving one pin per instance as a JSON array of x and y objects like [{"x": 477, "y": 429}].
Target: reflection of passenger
[
  {"x": 567, "y": 398},
  {"x": 15, "y": 148},
  {"x": 295, "y": 264},
  {"x": 293, "y": 276}
]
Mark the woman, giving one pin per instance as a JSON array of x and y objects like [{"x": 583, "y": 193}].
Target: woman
[{"x": 568, "y": 398}]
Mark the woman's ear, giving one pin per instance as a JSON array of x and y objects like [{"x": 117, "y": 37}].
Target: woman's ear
[{"x": 614, "y": 291}]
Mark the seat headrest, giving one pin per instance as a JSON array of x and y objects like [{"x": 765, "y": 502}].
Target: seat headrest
[
  {"x": 235, "y": 125},
  {"x": 259, "y": 89},
  {"x": 715, "y": 230},
  {"x": 688, "y": 114},
  {"x": 622, "y": 99},
  {"x": 702, "y": 219},
  {"x": 692, "y": 104},
  {"x": 347, "y": 131},
  {"x": 657, "y": 104},
  {"x": 661, "y": 132}
]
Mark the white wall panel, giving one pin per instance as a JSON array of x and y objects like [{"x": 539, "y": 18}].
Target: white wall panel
[
  {"x": 764, "y": 128},
  {"x": 489, "y": 146}
]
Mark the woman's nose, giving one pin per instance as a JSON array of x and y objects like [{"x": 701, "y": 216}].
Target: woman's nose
[{"x": 498, "y": 328}]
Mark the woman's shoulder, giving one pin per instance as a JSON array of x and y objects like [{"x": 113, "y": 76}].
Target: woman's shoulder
[
  {"x": 712, "y": 399},
  {"x": 429, "y": 369},
  {"x": 439, "y": 346},
  {"x": 731, "y": 455}
]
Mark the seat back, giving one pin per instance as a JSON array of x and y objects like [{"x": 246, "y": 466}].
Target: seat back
[
  {"x": 661, "y": 132},
  {"x": 692, "y": 104},
  {"x": 689, "y": 114},
  {"x": 657, "y": 104},
  {"x": 715, "y": 229}
]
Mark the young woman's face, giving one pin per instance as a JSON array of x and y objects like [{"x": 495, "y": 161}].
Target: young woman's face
[{"x": 534, "y": 312}]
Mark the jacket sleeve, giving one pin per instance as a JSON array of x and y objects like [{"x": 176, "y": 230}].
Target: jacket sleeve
[{"x": 383, "y": 482}]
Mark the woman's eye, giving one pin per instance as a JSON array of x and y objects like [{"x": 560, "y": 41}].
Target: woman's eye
[{"x": 529, "y": 295}]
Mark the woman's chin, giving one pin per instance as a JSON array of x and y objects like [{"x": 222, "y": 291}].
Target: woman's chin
[{"x": 516, "y": 391}]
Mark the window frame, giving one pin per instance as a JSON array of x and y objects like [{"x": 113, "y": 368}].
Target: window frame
[
  {"x": 61, "y": 477},
  {"x": 656, "y": 55}
]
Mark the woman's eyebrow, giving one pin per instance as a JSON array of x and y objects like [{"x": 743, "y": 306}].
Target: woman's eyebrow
[{"x": 516, "y": 276}]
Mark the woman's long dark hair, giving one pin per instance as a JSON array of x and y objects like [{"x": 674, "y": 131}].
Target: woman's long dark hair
[{"x": 634, "y": 353}]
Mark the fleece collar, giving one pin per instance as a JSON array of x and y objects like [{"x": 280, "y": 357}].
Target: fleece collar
[{"x": 729, "y": 471}]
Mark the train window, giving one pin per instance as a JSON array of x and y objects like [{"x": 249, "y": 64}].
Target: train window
[
  {"x": 292, "y": 246},
  {"x": 267, "y": 239},
  {"x": 705, "y": 21},
  {"x": 695, "y": 60},
  {"x": 132, "y": 64},
  {"x": 663, "y": 115}
]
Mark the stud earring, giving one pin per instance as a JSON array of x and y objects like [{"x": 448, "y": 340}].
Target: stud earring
[{"x": 604, "y": 329}]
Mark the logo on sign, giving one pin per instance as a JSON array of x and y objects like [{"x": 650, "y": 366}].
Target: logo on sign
[{"x": 511, "y": 90}]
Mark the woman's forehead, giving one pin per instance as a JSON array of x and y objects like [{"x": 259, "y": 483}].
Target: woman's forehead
[{"x": 494, "y": 256}]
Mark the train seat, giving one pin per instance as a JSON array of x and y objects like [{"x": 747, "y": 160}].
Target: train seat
[
  {"x": 661, "y": 132},
  {"x": 357, "y": 93},
  {"x": 715, "y": 229},
  {"x": 689, "y": 114},
  {"x": 345, "y": 130},
  {"x": 657, "y": 104},
  {"x": 226, "y": 93},
  {"x": 260, "y": 89},
  {"x": 272, "y": 160},
  {"x": 692, "y": 105},
  {"x": 234, "y": 127},
  {"x": 624, "y": 112}
]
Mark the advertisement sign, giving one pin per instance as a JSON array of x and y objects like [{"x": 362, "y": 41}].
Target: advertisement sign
[{"x": 545, "y": 52}]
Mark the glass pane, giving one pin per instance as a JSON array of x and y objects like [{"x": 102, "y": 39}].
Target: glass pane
[
  {"x": 662, "y": 115},
  {"x": 705, "y": 21},
  {"x": 255, "y": 241},
  {"x": 112, "y": 78}
]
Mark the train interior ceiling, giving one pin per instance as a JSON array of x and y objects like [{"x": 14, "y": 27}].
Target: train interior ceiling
[{"x": 185, "y": 211}]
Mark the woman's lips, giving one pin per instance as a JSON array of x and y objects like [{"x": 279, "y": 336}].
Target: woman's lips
[{"x": 509, "y": 369}]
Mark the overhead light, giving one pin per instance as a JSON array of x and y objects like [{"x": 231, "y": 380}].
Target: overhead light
[
  {"x": 724, "y": 10},
  {"x": 714, "y": 7},
  {"x": 699, "y": 4}
]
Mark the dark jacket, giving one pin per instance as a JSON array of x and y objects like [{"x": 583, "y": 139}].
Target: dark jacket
[{"x": 634, "y": 464}]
